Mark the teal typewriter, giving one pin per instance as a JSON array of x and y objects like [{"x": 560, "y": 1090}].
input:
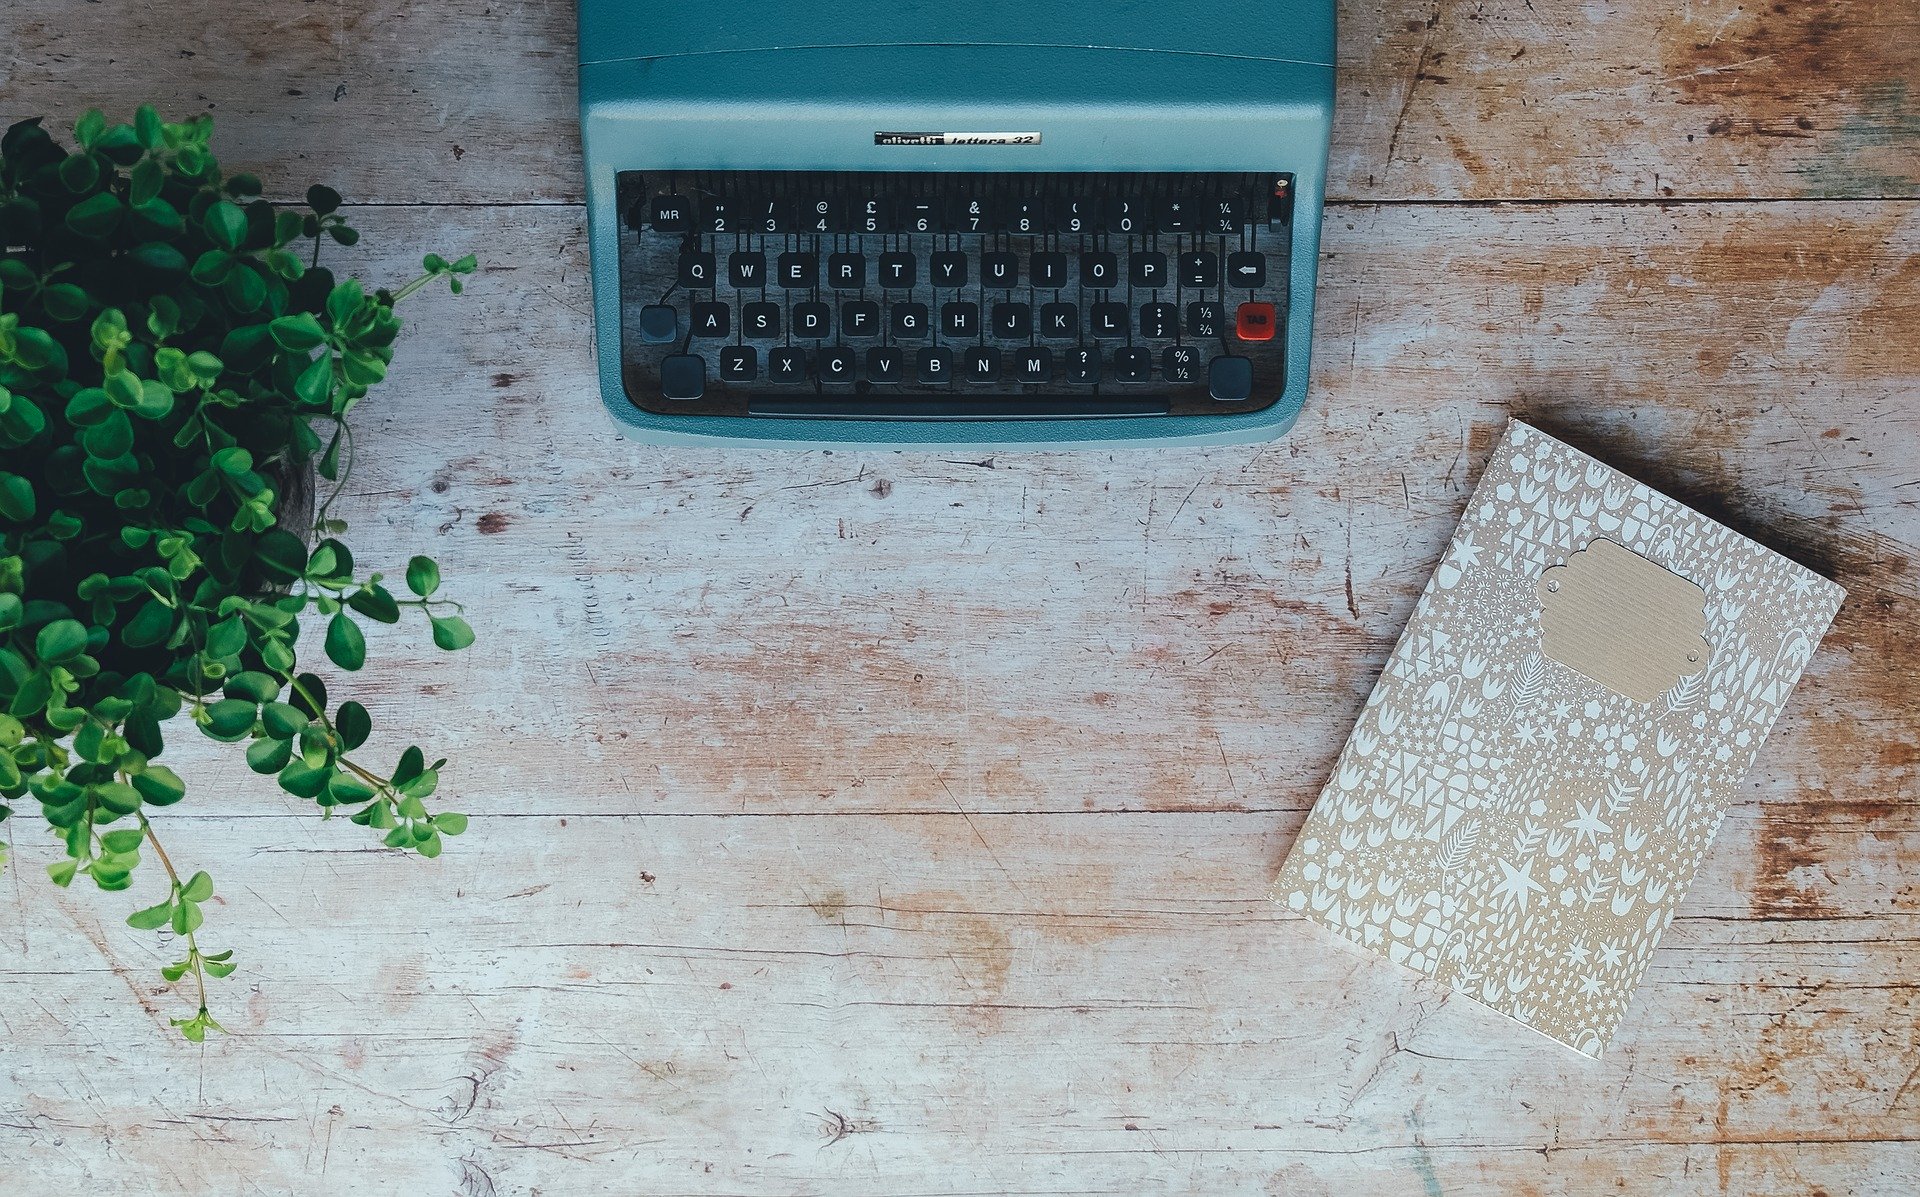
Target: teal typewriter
[{"x": 1039, "y": 223}]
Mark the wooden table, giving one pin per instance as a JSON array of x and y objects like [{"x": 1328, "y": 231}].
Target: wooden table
[{"x": 868, "y": 822}]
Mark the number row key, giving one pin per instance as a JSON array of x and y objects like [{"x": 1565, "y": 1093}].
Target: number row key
[{"x": 1028, "y": 215}]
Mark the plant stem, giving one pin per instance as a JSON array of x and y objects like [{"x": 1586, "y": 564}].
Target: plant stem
[
  {"x": 364, "y": 775},
  {"x": 319, "y": 711},
  {"x": 193, "y": 946},
  {"x": 415, "y": 285},
  {"x": 324, "y": 512},
  {"x": 380, "y": 786}
]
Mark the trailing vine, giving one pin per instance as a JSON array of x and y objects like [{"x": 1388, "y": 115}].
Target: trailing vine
[{"x": 174, "y": 365}]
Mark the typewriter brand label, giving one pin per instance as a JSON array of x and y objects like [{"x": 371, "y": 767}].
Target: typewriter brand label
[{"x": 886, "y": 138}]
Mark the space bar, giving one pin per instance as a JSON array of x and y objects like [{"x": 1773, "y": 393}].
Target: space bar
[{"x": 977, "y": 407}]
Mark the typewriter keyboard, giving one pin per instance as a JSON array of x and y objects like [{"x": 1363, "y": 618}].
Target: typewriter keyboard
[{"x": 953, "y": 296}]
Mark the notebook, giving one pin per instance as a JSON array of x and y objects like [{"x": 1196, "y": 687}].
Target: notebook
[{"x": 1534, "y": 781}]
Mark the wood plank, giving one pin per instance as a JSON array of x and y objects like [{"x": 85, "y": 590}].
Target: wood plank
[
  {"x": 473, "y": 100},
  {"x": 885, "y": 1004},
  {"x": 1567, "y": 99}
]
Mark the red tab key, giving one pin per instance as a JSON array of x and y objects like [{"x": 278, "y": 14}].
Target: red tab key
[{"x": 1254, "y": 322}]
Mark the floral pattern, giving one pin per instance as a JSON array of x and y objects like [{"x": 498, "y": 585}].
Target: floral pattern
[{"x": 1504, "y": 824}]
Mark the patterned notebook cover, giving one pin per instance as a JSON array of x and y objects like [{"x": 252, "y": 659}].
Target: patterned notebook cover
[{"x": 1507, "y": 824}]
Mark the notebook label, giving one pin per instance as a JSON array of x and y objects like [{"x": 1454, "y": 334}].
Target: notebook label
[
  {"x": 1613, "y": 616},
  {"x": 886, "y": 138}
]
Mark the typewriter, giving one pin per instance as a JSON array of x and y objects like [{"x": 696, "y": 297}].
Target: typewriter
[{"x": 1038, "y": 223}]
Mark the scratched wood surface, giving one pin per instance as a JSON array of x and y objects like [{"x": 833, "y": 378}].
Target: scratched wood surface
[
  {"x": 1437, "y": 99},
  {"x": 898, "y": 823}
]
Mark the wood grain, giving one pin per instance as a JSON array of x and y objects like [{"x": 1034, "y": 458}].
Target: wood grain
[
  {"x": 868, "y": 822},
  {"x": 861, "y": 626},
  {"x": 885, "y": 1004},
  {"x": 1617, "y": 98},
  {"x": 1437, "y": 99},
  {"x": 877, "y": 822}
]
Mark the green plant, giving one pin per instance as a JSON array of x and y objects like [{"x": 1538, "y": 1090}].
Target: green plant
[{"x": 171, "y": 368}]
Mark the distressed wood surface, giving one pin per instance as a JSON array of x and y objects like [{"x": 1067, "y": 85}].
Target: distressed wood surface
[
  {"x": 887, "y": 823},
  {"x": 1541, "y": 99}
]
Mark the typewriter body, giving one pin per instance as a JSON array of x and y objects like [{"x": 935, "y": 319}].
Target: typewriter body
[{"x": 1005, "y": 223}]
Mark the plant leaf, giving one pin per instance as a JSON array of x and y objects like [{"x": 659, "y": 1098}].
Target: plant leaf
[
  {"x": 423, "y": 576},
  {"x": 353, "y": 723},
  {"x": 413, "y": 762},
  {"x": 152, "y": 918},
  {"x": 298, "y": 333},
  {"x": 159, "y": 785},
  {"x": 280, "y": 555},
  {"x": 315, "y": 384},
  {"x": 231, "y": 718},
  {"x": 16, "y": 498},
  {"x": 282, "y": 721},
  {"x": 96, "y": 216},
  {"x": 373, "y": 601},
  {"x": 225, "y": 224},
  {"x": 303, "y": 780},
  {"x": 323, "y": 200},
  {"x": 187, "y": 917},
  {"x": 451, "y": 632},
  {"x": 125, "y": 839},
  {"x": 267, "y": 756},
  {"x": 61, "y": 640},
  {"x": 345, "y": 645}
]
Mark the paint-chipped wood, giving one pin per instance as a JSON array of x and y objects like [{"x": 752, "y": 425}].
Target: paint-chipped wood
[
  {"x": 1571, "y": 99},
  {"x": 1592, "y": 98},
  {"x": 888, "y": 1004},
  {"x": 867, "y": 822}
]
